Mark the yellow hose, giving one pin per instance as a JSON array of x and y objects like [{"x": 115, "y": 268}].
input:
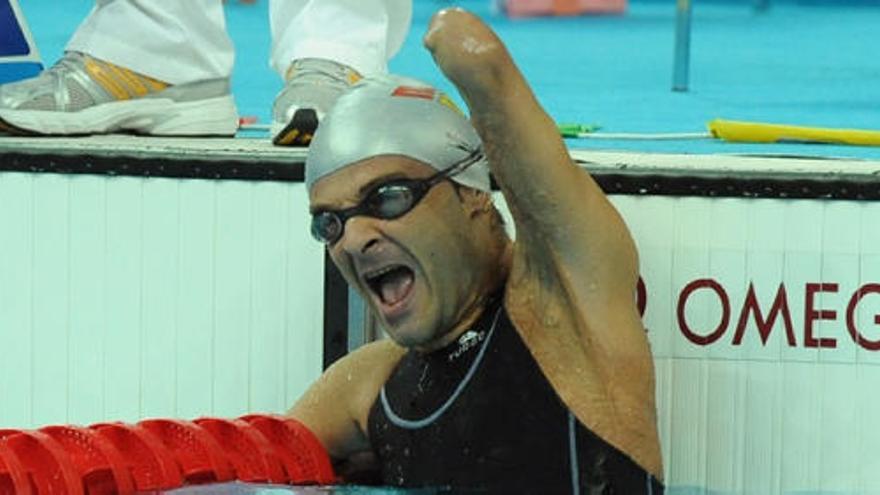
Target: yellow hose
[{"x": 758, "y": 132}]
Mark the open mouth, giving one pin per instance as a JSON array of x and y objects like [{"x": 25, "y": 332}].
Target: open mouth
[{"x": 391, "y": 284}]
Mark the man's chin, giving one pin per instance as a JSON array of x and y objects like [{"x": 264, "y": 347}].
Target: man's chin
[
  {"x": 407, "y": 336},
  {"x": 406, "y": 342}
]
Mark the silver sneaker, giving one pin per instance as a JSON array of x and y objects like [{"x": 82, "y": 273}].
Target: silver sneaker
[
  {"x": 312, "y": 87},
  {"x": 82, "y": 95}
]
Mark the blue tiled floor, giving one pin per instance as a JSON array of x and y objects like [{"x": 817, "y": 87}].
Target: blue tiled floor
[{"x": 798, "y": 63}]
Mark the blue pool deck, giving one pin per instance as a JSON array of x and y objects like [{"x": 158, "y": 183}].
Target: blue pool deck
[{"x": 805, "y": 62}]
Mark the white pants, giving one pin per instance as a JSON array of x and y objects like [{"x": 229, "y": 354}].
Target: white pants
[{"x": 179, "y": 41}]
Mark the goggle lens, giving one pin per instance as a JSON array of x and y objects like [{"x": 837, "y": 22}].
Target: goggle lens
[
  {"x": 326, "y": 227},
  {"x": 391, "y": 201},
  {"x": 387, "y": 202}
]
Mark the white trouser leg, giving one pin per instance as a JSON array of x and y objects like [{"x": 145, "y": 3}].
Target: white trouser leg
[
  {"x": 362, "y": 34},
  {"x": 176, "y": 41}
]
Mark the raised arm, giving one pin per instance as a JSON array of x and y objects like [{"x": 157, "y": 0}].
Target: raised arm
[
  {"x": 575, "y": 268},
  {"x": 550, "y": 197}
]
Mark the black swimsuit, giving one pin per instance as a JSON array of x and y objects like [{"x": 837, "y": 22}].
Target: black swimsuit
[{"x": 479, "y": 414}]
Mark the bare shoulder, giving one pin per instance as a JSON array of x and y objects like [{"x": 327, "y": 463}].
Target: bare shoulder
[
  {"x": 359, "y": 375},
  {"x": 336, "y": 406},
  {"x": 372, "y": 364},
  {"x": 383, "y": 352}
]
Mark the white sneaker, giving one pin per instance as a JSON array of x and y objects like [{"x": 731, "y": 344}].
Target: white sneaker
[
  {"x": 82, "y": 95},
  {"x": 312, "y": 87}
]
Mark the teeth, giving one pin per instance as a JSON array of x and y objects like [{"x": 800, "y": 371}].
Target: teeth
[{"x": 380, "y": 272}]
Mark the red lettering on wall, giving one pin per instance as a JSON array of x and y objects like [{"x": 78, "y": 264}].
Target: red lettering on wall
[
  {"x": 780, "y": 304},
  {"x": 811, "y": 315},
  {"x": 725, "y": 311},
  {"x": 871, "y": 345}
]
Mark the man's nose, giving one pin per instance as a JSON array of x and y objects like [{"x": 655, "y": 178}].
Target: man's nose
[{"x": 361, "y": 235}]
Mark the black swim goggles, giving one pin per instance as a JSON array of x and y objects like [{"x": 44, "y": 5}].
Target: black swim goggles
[{"x": 388, "y": 200}]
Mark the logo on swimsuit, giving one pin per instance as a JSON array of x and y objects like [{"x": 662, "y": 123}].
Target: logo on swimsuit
[{"x": 466, "y": 342}]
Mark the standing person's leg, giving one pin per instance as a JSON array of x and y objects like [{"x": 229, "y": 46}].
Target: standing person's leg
[
  {"x": 321, "y": 47},
  {"x": 150, "y": 66},
  {"x": 362, "y": 34},
  {"x": 176, "y": 41}
]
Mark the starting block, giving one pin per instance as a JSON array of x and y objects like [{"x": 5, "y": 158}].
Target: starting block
[
  {"x": 521, "y": 8},
  {"x": 19, "y": 58}
]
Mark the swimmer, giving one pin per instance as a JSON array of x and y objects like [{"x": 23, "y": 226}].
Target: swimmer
[{"x": 513, "y": 366}]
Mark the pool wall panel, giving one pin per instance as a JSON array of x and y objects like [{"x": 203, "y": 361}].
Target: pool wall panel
[
  {"x": 195, "y": 282},
  {"x": 16, "y": 295},
  {"x": 51, "y": 299},
  {"x": 123, "y": 298},
  {"x": 88, "y": 301}
]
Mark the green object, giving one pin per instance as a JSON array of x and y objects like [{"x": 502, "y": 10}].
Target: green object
[{"x": 576, "y": 130}]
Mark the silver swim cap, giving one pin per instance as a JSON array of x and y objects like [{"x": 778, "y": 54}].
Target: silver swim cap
[{"x": 392, "y": 115}]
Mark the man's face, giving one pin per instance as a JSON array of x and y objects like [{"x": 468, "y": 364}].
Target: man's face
[{"x": 418, "y": 271}]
